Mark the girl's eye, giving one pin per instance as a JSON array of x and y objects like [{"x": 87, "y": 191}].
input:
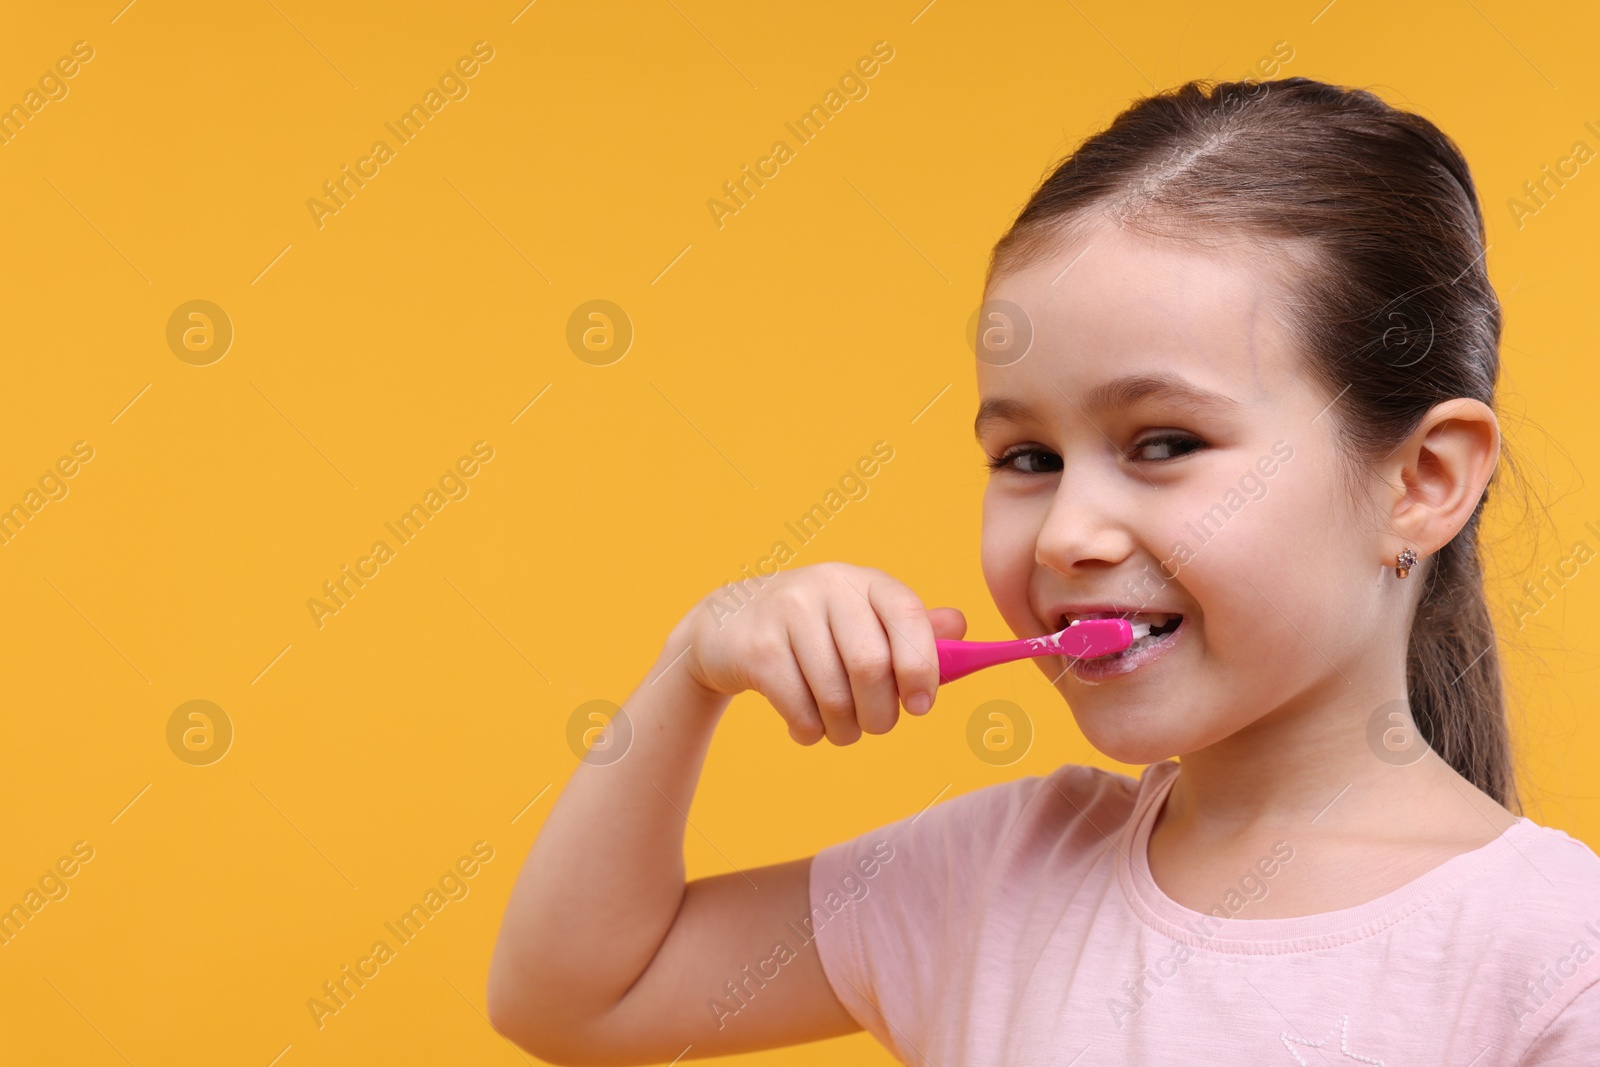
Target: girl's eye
[
  {"x": 1156, "y": 449},
  {"x": 1166, "y": 446},
  {"x": 1036, "y": 456}
]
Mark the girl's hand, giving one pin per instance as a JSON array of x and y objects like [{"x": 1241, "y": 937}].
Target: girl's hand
[{"x": 835, "y": 648}]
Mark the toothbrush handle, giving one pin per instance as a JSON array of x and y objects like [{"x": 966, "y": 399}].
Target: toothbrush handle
[
  {"x": 957, "y": 659},
  {"x": 1092, "y": 637}
]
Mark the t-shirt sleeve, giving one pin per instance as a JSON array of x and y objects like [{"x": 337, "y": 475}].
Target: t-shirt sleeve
[
  {"x": 1573, "y": 1037},
  {"x": 890, "y": 909}
]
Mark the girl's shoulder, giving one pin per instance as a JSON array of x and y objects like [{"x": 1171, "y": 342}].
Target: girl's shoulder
[
  {"x": 940, "y": 856},
  {"x": 1073, "y": 793},
  {"x": 1531, "y": 918},
  {"x": 893, "y": 910},
  {"x": 1072, "y": 800},
  {"x": 1562, "y": 846},
  {"x": 1549, "y": 873},
  {"x": 1546, "y": 868}
]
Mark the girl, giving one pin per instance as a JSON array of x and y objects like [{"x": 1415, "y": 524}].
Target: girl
[{"x": 1237, "y": 381}]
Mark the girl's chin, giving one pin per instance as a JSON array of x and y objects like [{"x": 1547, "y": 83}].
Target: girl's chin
[{"x": 1134, "y": 738}]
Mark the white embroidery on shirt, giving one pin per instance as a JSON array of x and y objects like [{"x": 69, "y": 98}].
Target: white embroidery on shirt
[{"x": 1344, "y": 1044}]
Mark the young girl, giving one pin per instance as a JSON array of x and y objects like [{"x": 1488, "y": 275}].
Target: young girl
[{"x": 1237, "y": 381}]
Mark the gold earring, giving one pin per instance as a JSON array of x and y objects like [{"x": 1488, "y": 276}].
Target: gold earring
[{"x": 1404, "y": 560}]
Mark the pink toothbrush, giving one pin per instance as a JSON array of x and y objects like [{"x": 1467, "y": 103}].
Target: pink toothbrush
[{"x": 1083, "y": 639}]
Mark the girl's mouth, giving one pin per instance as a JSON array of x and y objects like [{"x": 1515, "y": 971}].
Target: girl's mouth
[{"x": 1163, "y": 630}]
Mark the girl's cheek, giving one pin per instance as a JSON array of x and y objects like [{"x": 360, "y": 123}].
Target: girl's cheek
[
  {"x": 1007, "y": 556},
  {"x": 1259, "y": 593}
]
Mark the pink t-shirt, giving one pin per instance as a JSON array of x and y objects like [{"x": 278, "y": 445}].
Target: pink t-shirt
[{"x": 1018, "y": 925}]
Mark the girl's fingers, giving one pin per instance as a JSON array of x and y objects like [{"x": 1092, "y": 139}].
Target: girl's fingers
[
  {"x": 785, "y": 688},
  {"x": 864, "y": 648},
  {"x": 825, "y": 676},
  {"x": 911, "y": 643}
]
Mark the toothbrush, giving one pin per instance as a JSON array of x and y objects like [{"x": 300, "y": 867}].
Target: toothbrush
[{"x": 1082, "y": 639}]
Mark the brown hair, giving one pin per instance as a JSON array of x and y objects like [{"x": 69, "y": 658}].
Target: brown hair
[{"x": 1374, "y": 215}]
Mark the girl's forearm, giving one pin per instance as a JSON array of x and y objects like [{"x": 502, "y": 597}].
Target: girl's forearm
[{"x": 604, "y": 879}]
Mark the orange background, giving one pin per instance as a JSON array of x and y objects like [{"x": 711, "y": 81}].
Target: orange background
[{"x": 369, "y": 353}]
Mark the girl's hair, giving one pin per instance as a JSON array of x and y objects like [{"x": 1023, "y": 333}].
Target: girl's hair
[{"x": 1372, "y": 215}]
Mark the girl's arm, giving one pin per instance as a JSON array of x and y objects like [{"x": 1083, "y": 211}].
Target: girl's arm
[{"x": 605, "y": 955}]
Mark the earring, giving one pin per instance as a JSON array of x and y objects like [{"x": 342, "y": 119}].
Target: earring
[{"x": 1404, "y": 560}]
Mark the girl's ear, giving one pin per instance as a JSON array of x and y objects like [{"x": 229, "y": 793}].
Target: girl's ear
[{"x": 1440, "y": 472}]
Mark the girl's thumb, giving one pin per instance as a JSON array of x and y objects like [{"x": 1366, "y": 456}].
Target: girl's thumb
[{"x": 948, "y": 623}]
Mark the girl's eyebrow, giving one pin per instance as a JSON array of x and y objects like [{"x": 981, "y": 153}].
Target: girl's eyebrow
[{"x": 1117, "y": 393}]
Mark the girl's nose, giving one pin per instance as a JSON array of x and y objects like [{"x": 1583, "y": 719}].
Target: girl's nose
[{"x": 1082, "y": 529}]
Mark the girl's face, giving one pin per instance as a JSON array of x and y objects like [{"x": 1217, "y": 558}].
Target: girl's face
[{"x": 1126, "y": 487}]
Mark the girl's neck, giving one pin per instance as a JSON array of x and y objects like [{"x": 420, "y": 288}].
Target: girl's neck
[
  {"x": 1359, "y": 826},
  {"x": 1310, "y": 769}
]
